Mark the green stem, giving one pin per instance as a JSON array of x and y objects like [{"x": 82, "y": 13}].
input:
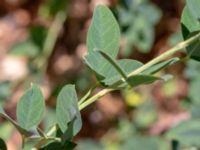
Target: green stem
[
  {"x": 86, "y": 95},
  {"x": 52, "y": 131},
  {"x": 156, "y": 60},
  {"x": 94, "y": 98}
]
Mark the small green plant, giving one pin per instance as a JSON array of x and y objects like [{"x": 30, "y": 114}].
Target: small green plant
[{"x": 112, "y": 74}]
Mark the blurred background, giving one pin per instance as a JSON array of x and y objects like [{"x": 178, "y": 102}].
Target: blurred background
[{"x": 44, "y": 41}]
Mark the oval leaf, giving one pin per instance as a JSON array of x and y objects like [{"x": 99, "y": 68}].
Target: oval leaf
[
  {"x": 67, "y": 109},
  {"x": 30, "y": 108},
  {"x": 104, "y": 33}
]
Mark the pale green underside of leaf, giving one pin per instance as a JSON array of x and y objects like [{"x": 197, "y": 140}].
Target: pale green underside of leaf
[
  {"x": 30, "y": 108},
  {"x": 67, "y": 109},
  {"x": 187, "y": 133}
]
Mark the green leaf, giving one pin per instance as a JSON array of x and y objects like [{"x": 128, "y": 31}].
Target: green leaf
[
  {"x": 187, "y": 133},
  {"x": 190, "y": 26},
  {"x": 30, "y": 108},
  {"x": 194, "y": 8},
  {"x": 142, "y": 79},
  {"x": 67, "y": 109},
  {"x": 193, "y": 50},
  {"x": 159, "y": 66},
  {"x": 189, "y": 23},
  {"x": 2, "y": 145},
  {"x": 69, "y": 133},
  {"x": 104, "y": 33}
]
